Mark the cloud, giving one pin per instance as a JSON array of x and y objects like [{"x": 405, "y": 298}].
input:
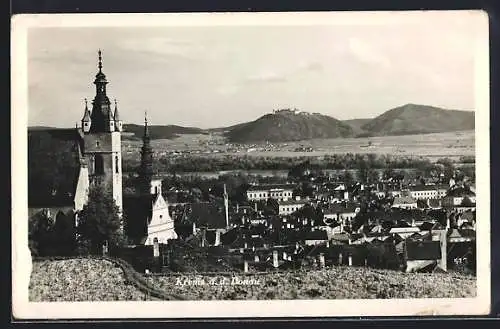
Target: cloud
[
  {"x": 310, "y": 66},
  {"x": 161, "y": 46},
  {"x": 366, "y": 53},
  {"x": 266, "y": 76}
]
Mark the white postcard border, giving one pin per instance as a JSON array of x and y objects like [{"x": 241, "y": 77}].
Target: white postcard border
[{"x": 21, "y": 260}]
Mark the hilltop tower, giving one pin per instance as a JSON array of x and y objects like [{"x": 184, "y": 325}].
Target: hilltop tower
[
  {"x": 146, "y": 168},
  {"x": 102, "y": 140}
]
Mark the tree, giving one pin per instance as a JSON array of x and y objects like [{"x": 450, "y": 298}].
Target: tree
[
  {"x": 99, "y": 221},
  {"x": 347, "y": 177},
  {"x": 40, "y": 233}
]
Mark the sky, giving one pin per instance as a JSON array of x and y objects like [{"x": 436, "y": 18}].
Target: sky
[{"x": 212, "y": 76}]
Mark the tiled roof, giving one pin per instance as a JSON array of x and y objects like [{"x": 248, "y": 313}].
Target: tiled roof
[
  {"x": 292, "y": 202},
  {"x": 206, "y": 214},
  {"x": 423, "y": 250},
  {"x": 268, "y": 187},
  {"x": 338, "y": 208},
  {"x": 429, "y": 187},
  {"x": 460, "y": 192},
  {"x": 404, "y": 200},
  {"x": 435, "y": 203},
  {"x": 317, "y": 235},
  {"x": 137, "y": 211},
  {"x": 53, "y": 166}
]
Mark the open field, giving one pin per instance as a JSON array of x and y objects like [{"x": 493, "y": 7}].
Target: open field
[
  {"x": 100, "y": 280},
  {"x": 451, "y": 144}
]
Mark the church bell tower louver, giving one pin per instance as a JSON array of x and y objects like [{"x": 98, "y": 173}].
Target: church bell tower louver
[{"x": 102, "y": 140}]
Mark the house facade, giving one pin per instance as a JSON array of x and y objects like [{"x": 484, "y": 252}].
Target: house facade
[
  {"x": 264, "y": 192},
  {"x": 422, "y": 192},
  {"x": 405, "y": 203},
  {"x": 287, "y": 207}
]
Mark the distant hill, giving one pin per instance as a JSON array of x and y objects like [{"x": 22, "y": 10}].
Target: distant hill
[
  {"x": 418, "y": 119},
  {"x": 292, "y": 125},
  {"x": 162, "y": 132},
  {"x": 356, "y": 125},
  {"x": 288, "y": 125},
  {"x": 226, "y": 129},
  {"x": 36, "y": 128}
]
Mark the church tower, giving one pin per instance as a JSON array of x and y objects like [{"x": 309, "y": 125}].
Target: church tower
[
  {"x": 146, "y": 167},
  {"x": 102, "y": 140}
]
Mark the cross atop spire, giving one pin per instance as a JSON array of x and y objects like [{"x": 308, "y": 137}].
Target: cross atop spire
[
  {"x": 86, "y": 107},
  {"x": 100, "y": 59}
]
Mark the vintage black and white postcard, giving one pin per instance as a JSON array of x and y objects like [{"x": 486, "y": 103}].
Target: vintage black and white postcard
[{"x": 250, "y": 165}]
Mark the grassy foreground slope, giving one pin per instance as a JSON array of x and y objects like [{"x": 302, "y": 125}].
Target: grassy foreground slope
[
  {"x": 102, "y": 280},
  {"x": 80, "y": 280},
  {"x": 331, "y": 283}
]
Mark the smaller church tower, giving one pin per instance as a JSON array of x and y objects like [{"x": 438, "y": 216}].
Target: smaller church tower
[
  {"x": 146, "y": 167},
  {"x": 116, "y": 118},
  {"x": 86, "y": 121}
]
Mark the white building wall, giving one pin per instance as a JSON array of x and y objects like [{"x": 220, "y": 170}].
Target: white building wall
[{"x": 161, "y": 225}]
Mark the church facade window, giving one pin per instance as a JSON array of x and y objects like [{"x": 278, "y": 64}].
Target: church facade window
[{"x": 117, "y": 164}]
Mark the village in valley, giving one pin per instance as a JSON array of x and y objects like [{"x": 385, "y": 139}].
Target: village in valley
[{"x": 242, "y": 227}]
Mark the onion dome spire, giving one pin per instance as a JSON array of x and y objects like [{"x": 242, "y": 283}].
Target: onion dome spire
[
  {"x": 100, "y": 76},
  {"x": 100, "y": 60}
]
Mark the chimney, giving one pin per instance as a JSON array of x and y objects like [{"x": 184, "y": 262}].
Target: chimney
[
  {"x": 413, "y": 224},
  {"x": 346, "y": 195},
  {"x": 226, "y": 206},
  {"x": 217, "y": 238},
  {"x": 156, "y": 248},
  {"x": 322, "y": 260},
  {"x": 245, "y": 266},
  {"x": 105, "y": 248},
  {"x": 275, "y": 259},
  {"x": 443, "y": 243},
  {"x": 284, "y": 255}
]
